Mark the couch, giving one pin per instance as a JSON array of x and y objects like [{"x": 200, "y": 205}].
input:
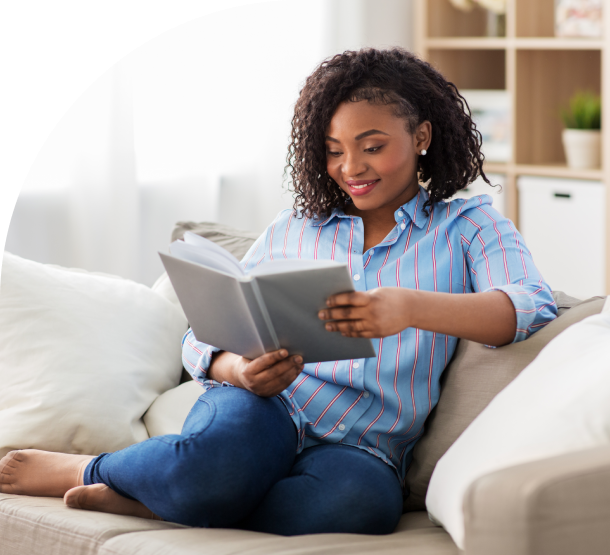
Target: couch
[{"x": 559, "y": 505}]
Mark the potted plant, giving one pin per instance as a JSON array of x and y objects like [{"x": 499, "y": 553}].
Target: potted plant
[{"x": 582, "y": 133}]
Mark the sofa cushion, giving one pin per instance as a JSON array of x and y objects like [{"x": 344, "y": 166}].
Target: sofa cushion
[
  {"x": 169, "y": 411},
  {"x": 474, "y": 377},
  {"x": 557, "y": 405},
  {"x": 236, "y": 241},
  {"x": 44, "y": 525},
  {"x": 82, "y": 357},
  {"x": 415, "y": 535}
]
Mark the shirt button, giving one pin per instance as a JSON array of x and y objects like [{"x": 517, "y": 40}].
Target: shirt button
[
  {"x": 403, "y": 226},
  {"x": 366, "y": 394},
  {"x": 372, "y": 251},
  {"x": 356, "y": 277},
  {"x": 400, "y": 214},
  {"x": 356, "y": 365},
  {"x": 342, "y": 427}
]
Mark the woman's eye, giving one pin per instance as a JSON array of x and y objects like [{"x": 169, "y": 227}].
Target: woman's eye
[
  {"x": 372, "y": 149},
  {"x": 334, "y": 153}
]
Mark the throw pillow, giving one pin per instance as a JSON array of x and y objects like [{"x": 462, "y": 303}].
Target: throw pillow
[
  {"x": 474, "y": 377},
  {"x": 236, "y": 241},
  {"x": 82, "y": 357},
  {"x": 169, "y": 411},
  {"x": 557, "y": 405}
]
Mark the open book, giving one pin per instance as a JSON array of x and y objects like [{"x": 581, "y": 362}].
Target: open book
[{"x": 274, "y": 306}]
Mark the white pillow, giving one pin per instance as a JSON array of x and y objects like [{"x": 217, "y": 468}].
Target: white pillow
[
  {"x": 163, "y": 286},
  {"x": 82, "y": 357},
  {"x": 558, "y": 404}
]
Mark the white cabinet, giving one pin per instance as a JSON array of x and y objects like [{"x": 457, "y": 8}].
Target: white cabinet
[{"x": 563, "y": 224}]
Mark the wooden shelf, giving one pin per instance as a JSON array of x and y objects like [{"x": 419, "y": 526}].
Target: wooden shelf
[
  {"x": 556, "y": 43},
  {"x": 496, "y": 167},
  {"x": 493, "y": 43},
  {"x": 467, "y": 43},
  {"x": 543, "y": 170},
  {"x": 558, "y": 170},
  {"x": 540, "y": 71}
]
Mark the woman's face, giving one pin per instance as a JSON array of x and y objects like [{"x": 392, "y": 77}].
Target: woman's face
[{"x": 372, "y": 156}]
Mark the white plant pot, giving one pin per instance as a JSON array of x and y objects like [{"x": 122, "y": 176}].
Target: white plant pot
[{"x": 582, "y": 148}]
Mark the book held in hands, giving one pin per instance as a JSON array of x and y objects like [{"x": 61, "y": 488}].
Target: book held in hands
[{"x": 274, "y": 306}]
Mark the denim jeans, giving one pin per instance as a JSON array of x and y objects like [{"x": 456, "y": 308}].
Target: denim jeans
[{"x": 235, "y": 466}]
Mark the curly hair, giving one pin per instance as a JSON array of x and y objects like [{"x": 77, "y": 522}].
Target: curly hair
[{"x": 415, "y": 90}]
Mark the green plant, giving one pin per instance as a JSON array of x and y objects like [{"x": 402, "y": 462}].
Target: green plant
[{"x": 584, "y": 111}]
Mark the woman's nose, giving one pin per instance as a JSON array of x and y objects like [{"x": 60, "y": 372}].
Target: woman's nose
[{"x": 353, "y": 166}]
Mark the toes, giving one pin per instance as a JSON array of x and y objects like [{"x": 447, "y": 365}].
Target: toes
[
  {"x": 72, "y": 497},
  {"x": 8, "y": 464},
  {"x": 85, "y": 497}
]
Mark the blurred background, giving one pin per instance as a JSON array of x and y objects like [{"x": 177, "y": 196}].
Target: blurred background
[{"x": 194, "y": 126}]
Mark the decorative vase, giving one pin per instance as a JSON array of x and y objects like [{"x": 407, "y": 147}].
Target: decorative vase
[
  {"x": 496, "y": 24},
  {"x": 582, "y": 148}
]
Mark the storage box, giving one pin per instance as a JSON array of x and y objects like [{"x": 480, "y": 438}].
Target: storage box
[{"x": 563, "y": 224}]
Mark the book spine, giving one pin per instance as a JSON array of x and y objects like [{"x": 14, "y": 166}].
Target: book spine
[
  {"x": 263, "y": 307},
  {"x": 260, "y": 315}
]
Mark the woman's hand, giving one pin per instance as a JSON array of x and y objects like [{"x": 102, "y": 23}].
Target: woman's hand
[
  {"x": 487, "y": 317},
  {"x": 375, "y": 313},
  {"x": 267, "y": 375}
]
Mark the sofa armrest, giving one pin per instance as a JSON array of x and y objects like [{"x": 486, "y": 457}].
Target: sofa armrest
[{"x": 558, "y": 506}]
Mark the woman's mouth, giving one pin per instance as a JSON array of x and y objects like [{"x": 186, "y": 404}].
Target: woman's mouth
[{"x": 361, "y": 187}]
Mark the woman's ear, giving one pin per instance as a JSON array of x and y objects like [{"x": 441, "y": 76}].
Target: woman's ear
[{"x": 423, "y": 136}]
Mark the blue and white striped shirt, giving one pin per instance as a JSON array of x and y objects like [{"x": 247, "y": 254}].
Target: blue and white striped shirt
[{"x": 380, "y": 404}]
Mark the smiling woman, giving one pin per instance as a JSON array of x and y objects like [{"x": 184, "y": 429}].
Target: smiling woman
[
  {"x": 359, "y": 161},
  {"x": 295, "y": 448}
]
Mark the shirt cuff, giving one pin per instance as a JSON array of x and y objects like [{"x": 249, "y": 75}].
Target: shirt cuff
[{"x": 525, "y": 308}]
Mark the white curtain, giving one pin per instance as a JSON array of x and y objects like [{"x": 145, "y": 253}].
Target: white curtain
[
  {"x": 192, "y": 126},
  {"x": 79, "y": 205}
]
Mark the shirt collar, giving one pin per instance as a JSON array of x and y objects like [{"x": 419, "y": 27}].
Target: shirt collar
[
  {"x": 413, "y": 208},
  {"x": 336, "y": 213}
]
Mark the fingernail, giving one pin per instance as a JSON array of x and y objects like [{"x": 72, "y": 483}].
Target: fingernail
[
  {"x": 329, "y": 327},
  {"x": 284, "y": 353},
  {"x": 328, "y": 302},
  {"x": 298, "y": 360},
  {"x": 321, "y": 315}
]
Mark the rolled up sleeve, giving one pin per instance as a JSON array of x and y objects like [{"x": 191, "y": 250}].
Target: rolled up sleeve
[
  {"x": 197, "y": 357},
  {"x": 499, "y": 260}
]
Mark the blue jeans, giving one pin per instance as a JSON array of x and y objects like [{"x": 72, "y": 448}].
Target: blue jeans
[{"x": 235, "y": 466}]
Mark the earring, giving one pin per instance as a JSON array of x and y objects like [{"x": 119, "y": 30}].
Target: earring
[{"x": 424, "y": 152}]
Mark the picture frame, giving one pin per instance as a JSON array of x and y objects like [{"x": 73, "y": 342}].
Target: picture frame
[{"x": 579, "y": 18}]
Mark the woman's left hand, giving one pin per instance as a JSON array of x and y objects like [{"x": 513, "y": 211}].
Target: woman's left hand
[{"x": 376, "y": 313}]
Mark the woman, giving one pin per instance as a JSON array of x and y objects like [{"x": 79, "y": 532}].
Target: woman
[{"x": 277, "y": 446}]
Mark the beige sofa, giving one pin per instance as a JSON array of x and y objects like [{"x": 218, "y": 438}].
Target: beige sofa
[{"x": 556, "y": 506}]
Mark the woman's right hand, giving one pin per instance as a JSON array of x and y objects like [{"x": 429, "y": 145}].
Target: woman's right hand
[{"x": 267, "y": 375}]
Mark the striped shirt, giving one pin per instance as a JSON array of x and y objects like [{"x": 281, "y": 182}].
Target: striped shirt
[{"x": 380, "y": 404}]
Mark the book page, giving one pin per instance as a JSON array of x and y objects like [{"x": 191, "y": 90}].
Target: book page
[
  {"x": 200, "y": 252},
  {"x": 206, "y": 245}
]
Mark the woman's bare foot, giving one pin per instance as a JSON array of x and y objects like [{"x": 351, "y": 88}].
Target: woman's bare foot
[
  {"x": 99, "y": 497},
  {"x": 41, "y": 473}
]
